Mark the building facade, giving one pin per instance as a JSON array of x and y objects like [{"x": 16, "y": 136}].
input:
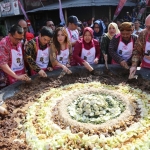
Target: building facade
[
  {"x": 83, "y": 9},
  {"x": 40, "y": 10},
  {"x": 10, "y": 13}
]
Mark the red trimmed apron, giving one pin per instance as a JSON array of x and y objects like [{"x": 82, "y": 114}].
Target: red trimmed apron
[
  {"x": 16, "y": 63},
  {"x": 42, "y": 58},
  {"x": 125, "y": 51},
  {"x": 88, "y": 55},
  {"x": 62, "y": 58}
]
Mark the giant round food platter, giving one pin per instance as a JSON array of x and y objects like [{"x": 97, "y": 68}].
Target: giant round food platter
[{"x": 78, "y": 111}]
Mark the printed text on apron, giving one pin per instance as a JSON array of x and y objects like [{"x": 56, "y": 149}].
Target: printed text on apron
[
  {"x": 88, "y": 55},
  {"x": 124, "y": 51},
  {"x": 16, "y": 63},
  {"x": 42, "y": 57},
  {"x": 145, "y": 62}
]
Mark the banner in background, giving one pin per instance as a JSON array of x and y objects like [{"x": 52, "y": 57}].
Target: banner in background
[
  {"x": 61, "y": 13},
  {"x": 119, "y": 8},
  {"x": 142, "y": 10},
  {"x": 26, "y": 17},
  {"x": 9, "y": 8}
]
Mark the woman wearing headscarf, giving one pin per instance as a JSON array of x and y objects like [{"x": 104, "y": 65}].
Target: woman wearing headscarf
[
  {"x": 99, "y": 29},
  {"x": 121, "y": 45},
  {"x": 112, "y": 30},
  {"x": 87, "y": 50}
]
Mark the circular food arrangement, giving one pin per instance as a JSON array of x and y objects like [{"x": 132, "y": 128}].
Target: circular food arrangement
[
  {"x": 95, "y": 108},
  {"x": 78, "y": 113}
]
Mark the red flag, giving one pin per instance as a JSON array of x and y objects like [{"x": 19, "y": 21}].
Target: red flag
[
  {"x": 119, "y": 8},
  {"x": 142, "y": 10}
]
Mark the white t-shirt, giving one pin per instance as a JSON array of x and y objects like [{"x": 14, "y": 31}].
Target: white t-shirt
[
  {"x": 73, "y": 35},
  {"x": 135, "y": 31}
]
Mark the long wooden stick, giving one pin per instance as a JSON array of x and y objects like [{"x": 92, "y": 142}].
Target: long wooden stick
[{"x": 106, "y": 58}]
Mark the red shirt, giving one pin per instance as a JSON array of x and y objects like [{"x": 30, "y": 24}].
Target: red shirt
[
  {"x": 78, "y": 49},
  {"x": 29, "y": 36},
  {"x": 5, "y": 47}
]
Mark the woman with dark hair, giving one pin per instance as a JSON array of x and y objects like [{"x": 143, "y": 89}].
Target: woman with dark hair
[{"x": 61, "y": 50}]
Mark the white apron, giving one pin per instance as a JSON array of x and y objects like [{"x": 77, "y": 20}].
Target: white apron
[
  {"x": 16, "y": 63},
  {"x": 124, "y": 51},
  {"x": 88, "y": 55},
  {"x": 62, "y": 58},
  {"x": 42, "y": 58}
]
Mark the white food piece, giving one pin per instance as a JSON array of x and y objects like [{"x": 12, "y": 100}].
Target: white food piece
[{"x": 3, "y": 111}]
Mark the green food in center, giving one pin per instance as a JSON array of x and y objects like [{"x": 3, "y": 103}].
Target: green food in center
[{"x": 95, "y": 108}]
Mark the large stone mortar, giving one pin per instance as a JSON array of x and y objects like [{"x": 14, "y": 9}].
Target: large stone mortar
[{"x": 115, "y": 69}]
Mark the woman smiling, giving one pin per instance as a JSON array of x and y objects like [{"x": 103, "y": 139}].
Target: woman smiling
[
  {"x": 87, "y": 50},
  {"x": 112, "y": 30}
]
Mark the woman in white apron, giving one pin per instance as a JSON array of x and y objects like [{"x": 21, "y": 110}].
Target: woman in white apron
[
  {"x": 106, "y": 38},
  {"x": 61, "y": 50},
  {"x": 87, "y": 50}
]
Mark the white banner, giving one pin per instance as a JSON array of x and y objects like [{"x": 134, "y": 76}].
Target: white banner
[{"x": 9, "y": 8}]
